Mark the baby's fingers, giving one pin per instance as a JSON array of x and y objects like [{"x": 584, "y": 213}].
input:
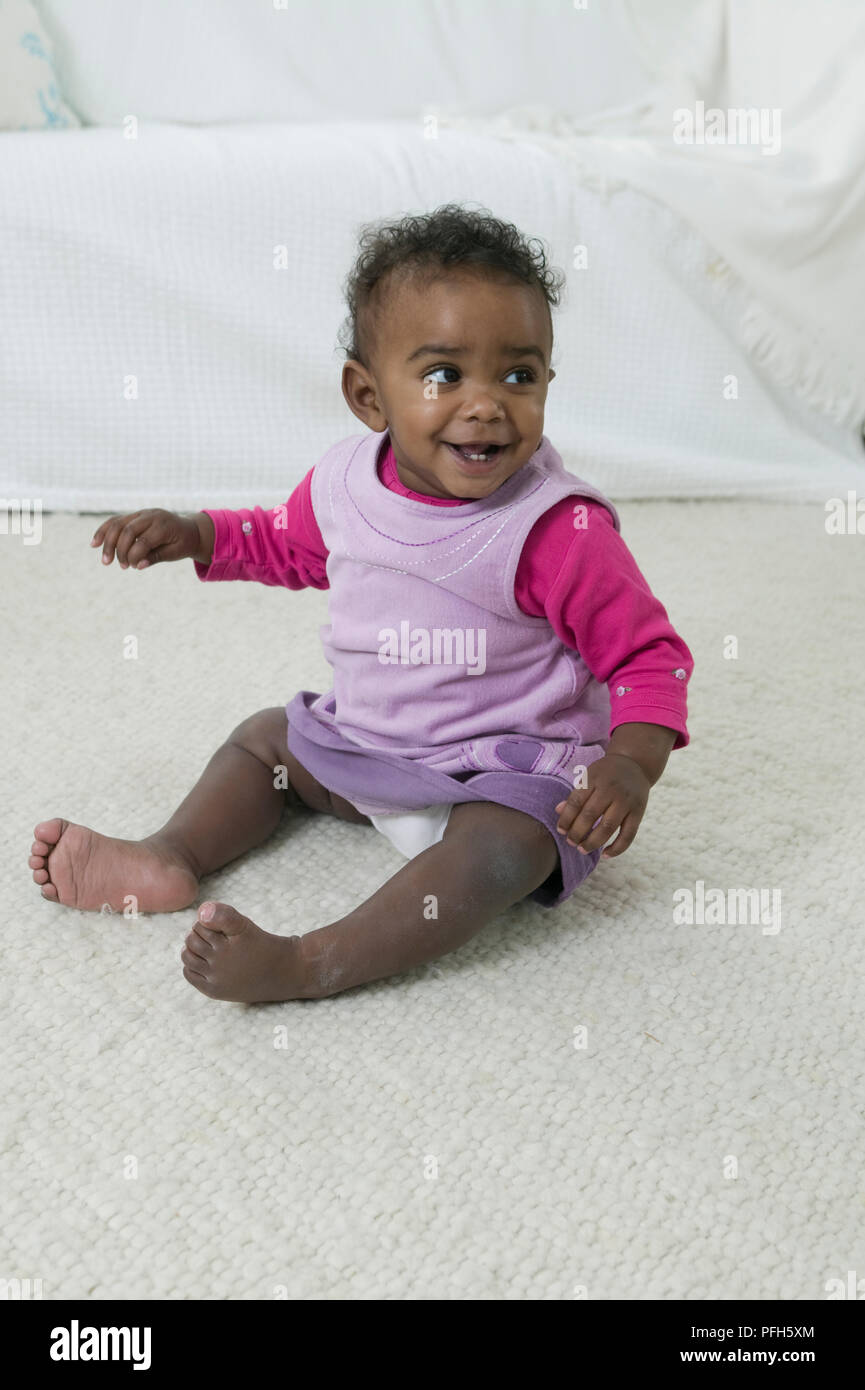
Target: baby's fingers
[
  {"x": 108, "y": 535},
  {"x": 568, "y": 810},
  {"x": 597, "y": 832},
  {"x": 624, "y": 838},
  {"x": 587, "y": 819},
  {"x": 579, "y": 815},
  {"x": 130, "y": 535},
  {"x": 144, "y": 550}
]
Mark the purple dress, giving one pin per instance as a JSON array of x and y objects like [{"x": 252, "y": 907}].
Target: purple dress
[{"x": 444, "y": 690}]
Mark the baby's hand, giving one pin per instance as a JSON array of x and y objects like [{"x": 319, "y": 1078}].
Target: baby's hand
[
  {"x": 617, "y": 793},
  {"x": 144, "y": 538}
]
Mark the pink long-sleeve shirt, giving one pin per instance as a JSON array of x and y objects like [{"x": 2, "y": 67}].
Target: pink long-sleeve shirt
[{"x": 585, "y": 582}]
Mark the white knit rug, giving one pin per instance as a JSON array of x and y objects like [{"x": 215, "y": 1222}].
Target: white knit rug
[{"x": 444, "y": 1135}]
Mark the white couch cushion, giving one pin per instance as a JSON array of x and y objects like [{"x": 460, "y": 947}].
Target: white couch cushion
[
  {"x": 322, "y": 60},
  {"x": 159, "y": 357}
]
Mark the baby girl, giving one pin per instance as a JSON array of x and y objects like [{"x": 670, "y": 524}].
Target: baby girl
[{"x": 506, "y": 688}]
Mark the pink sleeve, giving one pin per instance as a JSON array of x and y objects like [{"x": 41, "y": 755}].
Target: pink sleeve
[
  {"x": 587, "y": 584},
  {"x": 281, "y": 546}
]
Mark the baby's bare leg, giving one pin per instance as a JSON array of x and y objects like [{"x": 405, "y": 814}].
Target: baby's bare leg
[
  {"x": 234, "y": 805},
  {"x": 489, "y": 858},
  {"x": 237, "y": 804}
]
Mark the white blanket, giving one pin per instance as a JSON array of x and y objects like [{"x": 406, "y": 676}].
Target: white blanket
[{"x": 786, "y": 212}]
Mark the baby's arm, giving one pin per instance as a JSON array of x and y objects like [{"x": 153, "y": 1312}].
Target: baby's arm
[
  {"x": 587, "y": 584},
  {"x": 141, "y": 539},
  {"x": 649, "y": 745},
  {"x": 282, "y": 546}
]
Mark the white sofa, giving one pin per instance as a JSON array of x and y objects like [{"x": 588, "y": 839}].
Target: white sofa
[{"x": 171, "y": 271}]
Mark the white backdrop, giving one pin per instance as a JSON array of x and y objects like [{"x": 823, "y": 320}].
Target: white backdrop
[
  {"x": 157, "y": 353},
  {"x": 160, "y": 357}
]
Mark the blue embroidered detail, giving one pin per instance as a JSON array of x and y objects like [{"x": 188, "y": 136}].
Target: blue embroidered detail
[{"x": 33, "y": 44}]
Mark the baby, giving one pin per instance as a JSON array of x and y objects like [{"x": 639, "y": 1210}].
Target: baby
[{"x": 506, "y": 688}]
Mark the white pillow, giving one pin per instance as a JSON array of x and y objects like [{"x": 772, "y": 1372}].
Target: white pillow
[{"x": 29, "y": 95}]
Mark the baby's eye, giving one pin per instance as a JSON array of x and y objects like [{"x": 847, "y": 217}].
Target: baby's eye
[
  {"x": 428, "y": 376},
  {"x": 526, "y": 371}
]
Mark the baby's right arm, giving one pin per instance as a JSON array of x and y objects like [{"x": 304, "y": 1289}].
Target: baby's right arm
[{"x": 141, "y": 539}]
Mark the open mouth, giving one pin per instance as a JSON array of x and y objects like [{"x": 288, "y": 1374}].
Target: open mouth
[{"x": 476, "y": 453}]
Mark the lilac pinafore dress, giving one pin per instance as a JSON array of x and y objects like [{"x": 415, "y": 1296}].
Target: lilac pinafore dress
[{"x": 444, "y": 691}]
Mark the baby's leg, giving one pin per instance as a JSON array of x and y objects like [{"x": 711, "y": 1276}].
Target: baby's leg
[
  {"x": 489, "y": 858},
  {"x": 233, "y": 807}
]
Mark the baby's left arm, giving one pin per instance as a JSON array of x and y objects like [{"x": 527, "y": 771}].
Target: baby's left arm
[{"x": 586, "y": 582}]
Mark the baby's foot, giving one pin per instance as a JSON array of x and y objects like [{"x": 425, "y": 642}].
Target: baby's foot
[
  {"x": 228, "y": 957},
  {"x": 80, "y": 868}
]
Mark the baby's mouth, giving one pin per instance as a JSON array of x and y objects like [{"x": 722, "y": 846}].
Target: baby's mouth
[{"x": 477, "y": 453}]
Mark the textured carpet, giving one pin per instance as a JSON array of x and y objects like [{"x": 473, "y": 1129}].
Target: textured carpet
[{"x": 597, "y": 1101}]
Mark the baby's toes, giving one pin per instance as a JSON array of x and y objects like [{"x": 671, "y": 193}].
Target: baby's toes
[
  {"x": 198, "y": 945},
  {"x": 196, "y": 957},
  {"x": 38, "y": 861},
  {"x": 218, "y": 920},
  {"x": 47, "y": 833},
  {"x": 193, "y": 961}
]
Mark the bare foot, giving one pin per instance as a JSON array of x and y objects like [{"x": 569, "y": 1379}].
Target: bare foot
[
  {"x": 80, "y": 868},
  {"x": 228, "y": 957}
]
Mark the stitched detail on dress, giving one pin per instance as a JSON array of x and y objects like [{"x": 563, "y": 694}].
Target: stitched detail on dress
[{"x": 509, "y": 506}]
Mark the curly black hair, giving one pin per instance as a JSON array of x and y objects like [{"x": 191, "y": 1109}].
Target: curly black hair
[{"x": 426, "y": 245}]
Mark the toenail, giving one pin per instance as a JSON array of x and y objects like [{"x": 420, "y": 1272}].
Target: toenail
[{"x": 206, "y": 911}]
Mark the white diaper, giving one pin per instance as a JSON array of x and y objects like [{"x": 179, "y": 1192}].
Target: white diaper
[{"x": 411, "y": 832}]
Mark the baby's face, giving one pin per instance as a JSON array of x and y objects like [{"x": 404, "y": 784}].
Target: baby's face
[{"x": 461, "y": 361}]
